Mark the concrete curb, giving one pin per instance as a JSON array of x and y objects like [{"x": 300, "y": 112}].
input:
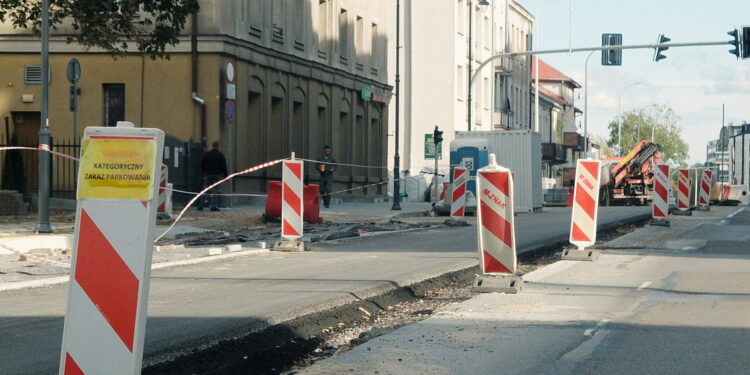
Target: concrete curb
[{"x": 15, "y": 285}]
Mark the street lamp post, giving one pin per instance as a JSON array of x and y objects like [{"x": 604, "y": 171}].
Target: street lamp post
[
  {"x": 396, "y": 158},
  {"x": 586, "y": 105},
  {"x": 619, "y": 115},
  {"x": 468, "y": 98}
]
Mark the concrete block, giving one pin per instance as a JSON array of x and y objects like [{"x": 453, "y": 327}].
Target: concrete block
[
  {"x": 289, "y": 246},
  {"x": 703, "y": 208},
  {"x": 234, "y": 247},
  {"x": 215, "y": 251},
  {"x": 510, "y": 284},
  {"x": 585, "y": 255},
  {"x": 660, "y": 222}
]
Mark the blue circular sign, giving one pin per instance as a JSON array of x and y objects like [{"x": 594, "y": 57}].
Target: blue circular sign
[{"x": 231, "y": 110}]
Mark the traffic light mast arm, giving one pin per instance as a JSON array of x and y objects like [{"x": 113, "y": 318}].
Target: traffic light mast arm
[{"x": 597, "y": 48}]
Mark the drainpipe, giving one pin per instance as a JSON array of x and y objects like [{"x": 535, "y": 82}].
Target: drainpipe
[{"x": 194, "y": 78}]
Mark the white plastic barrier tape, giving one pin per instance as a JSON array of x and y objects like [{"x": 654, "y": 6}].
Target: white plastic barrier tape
[
  {"x": 660, "y": 204},
  {"x": 108, "y": 291},
  {"x": 705, "y": 187},
  {"x": 292, "y": 205},
  {"x": 495, "y": 227},
  {"x": 585, "y": 203},
  {"x": 683, "y": 189},
  {"x": 458, "y": 195}
]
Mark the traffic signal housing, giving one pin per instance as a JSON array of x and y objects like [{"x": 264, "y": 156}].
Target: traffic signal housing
[
  {"x": 611, "y": 56},
  {"x": 735, "y": 42},
  {"x": 658, "y": 50},
  {"x": 437, "y": 136},
  {"x": 745, "y": 42}
]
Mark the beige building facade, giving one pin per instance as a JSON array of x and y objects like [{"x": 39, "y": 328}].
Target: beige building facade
[{"x": 264, "y": 77}]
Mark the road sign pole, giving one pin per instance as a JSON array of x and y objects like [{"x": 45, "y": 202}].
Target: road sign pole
[{"x": 43, "y": 225}]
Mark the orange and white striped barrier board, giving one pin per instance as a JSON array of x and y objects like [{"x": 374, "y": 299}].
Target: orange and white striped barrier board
[
  {"x": 705, "y": 191},
  {"x": 105, "y": 321},
  {"x": 495, "y": 227},
  {"x": 660, "y": 203},
  {"x": 291, "y": 200},
  {"x": 458, "y": 195},
  {"x": 683, "y": 189},
  {"x": 441, "y": 197},
  {"x": 585, "y": 203}
]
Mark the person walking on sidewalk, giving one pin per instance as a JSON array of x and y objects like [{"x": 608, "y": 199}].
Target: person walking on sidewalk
[
  {"x": 326, "y": 167},
  {"x": 214, "y": 168}
]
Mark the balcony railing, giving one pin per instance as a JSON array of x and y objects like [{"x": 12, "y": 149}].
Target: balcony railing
[
  {"x": 574, "y": 140},
  {"x": 553, "y": 153}
]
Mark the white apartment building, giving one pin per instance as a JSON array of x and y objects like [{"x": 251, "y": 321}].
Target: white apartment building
[{"x": 435, "y": 73}]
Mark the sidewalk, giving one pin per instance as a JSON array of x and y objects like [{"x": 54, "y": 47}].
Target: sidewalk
[
  {"x": 667, "y": 300},
  {"x": 31, "y": 269}
]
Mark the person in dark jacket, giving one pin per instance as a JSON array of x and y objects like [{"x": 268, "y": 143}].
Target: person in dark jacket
[
  {"x": 326, "y": 167},
  {"x": 214, "y": 168}
]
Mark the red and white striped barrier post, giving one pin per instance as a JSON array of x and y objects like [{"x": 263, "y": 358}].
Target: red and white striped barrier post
[
  {"x": 660, "y": 201},
  {"x": 292, "y": 206},
  {"x": 585, "y": 210},
  {"x": 496, "y": 231},
  {"x": 458, "y": 196},
  {"x": 105, "y": 321},
  {"x": 683, "y": 192},
  {"x": 161, "y": 209},
  {"x": 705, "y": 190}
]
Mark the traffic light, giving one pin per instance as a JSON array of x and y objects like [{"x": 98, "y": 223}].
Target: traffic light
[
  {"x": 611, "y": 56},
  {"x": 745, "y": 42},
  {"x": 658, "y": 50},
  {"x": 735, "y": 34},
  {"x": 437, "y": 136}
]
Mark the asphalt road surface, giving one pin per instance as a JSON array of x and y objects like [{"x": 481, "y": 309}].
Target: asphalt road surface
[
  {"x": 196, "y": 306},
  {"x": 659, "y": 300}
]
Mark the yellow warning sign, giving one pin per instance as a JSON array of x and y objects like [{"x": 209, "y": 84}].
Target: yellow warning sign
[{"x": 117, "y": 168}]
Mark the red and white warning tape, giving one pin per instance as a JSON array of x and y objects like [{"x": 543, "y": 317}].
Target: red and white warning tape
[
  {"x": 41, "y": 147},
  {"x": 231, "y": 176}
]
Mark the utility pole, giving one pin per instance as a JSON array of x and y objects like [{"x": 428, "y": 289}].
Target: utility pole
[
  {"x": 43, "y": 225},
  {"x": 396, "y": 158}
]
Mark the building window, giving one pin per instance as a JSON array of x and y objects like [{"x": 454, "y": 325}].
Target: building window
[
  {"x": 461, "y": 14},
  {"x": 460, "y": 83},
  {"x": 375, "y": 46},
  {"x": 359, "y": 37},
  {"x": 344, "y": 34},
  {"x": 298, "y": 24},
  {"x": 256, "y": 16},
  {"x": 323, "y": 12},
  {"x": 114, "y": 103},
  {"x": 277, "y": 14}
]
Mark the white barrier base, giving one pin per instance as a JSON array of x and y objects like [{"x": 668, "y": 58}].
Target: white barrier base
[
  {"x": 585, "y": 255},
  {"x": 289, "y": 246},
  {"x": 660, "y": 222},
  {"x": 510, "y": 284}
]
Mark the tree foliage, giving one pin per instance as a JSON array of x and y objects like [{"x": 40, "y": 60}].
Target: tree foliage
[
  {"x": 665, "y": 125},
  {"x": 112, "y": 25}
]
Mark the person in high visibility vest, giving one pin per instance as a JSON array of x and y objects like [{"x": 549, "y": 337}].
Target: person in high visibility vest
[{"x": 326, "y": 167}]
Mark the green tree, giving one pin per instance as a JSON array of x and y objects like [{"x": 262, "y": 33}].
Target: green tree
[
  {"x": 107, "y": 24},
  {"x": 658, "y": 118}
]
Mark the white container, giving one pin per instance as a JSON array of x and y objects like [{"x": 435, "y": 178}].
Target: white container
[{"x": 521, "y": 152}]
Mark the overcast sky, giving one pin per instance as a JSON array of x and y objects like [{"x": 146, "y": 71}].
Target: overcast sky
[{"x": 694, "y": 81}]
